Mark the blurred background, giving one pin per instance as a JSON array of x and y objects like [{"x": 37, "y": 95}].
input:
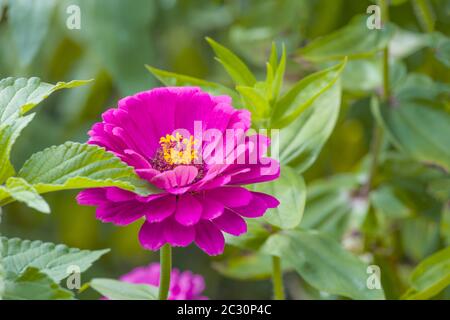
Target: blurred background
[{"x": 116, "y": 39}]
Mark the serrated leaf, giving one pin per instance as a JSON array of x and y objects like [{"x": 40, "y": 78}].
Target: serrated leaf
[
  {"x": 355, "y": 40},
  {"x": 303, "y": 94},
  {"x": 302, "y": 141},
  {"x": 290, "y": 190},
  {"x": 51, "y": 259},
  {"x": 119, "y": 290},
  {"x": 9, "y": 132},
  {"x": 78, "y": 166},
  {"x": 20, "y": 95},
  {"x": 431, "y": 276},
  {"x": 20, "y": 190},
  {"x": 33, "y": 284},
  {"x": 28, "y": 37},
  {"x": 323, "y": 263},
  {"x": 237, "y": 69}
]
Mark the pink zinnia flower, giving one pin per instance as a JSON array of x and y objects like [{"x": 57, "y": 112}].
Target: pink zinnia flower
[
  {"x": 201, "y": 194},
  {"x": 183, "y": 285}
]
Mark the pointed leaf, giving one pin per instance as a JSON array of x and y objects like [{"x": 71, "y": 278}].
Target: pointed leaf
[
  {"x": 119, "y": 290},
  {"x": 33, "y": 284},
  {"x": 354, "y": 41},
  {"x": 237, "y": 69},
  {"x": 323, "y": 263},
  {"x": 51, "y": 259},
  {"x": 9, "y": 132},
  {"x": 302, "y": 95},
  {"x": 431, "y": 276},
  {"x": 20, "y": 190},
  {"x": 20, "y": 95},
  {"x": 78, "y": 166},
  {"x": 302, "y": 141}
]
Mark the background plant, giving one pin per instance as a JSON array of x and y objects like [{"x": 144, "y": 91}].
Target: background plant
[{"x": 381, "y": 194}]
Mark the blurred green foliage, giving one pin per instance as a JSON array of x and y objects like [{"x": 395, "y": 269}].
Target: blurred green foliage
[{"x": 407, "y": 219}]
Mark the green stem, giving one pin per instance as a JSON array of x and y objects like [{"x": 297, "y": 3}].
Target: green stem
[
  {"x": 424, "y": 13},
  {"x": 386, "y": 81},
  {"x": 166, "y": 268},
  {"x": 277, "y": 279},
  {"x": 377, "y": 131}
]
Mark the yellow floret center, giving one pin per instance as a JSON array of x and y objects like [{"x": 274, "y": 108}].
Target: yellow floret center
[{"x": 178, "y": 150}]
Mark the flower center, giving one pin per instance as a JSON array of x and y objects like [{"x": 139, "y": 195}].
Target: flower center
[{"x": 175, "y": 150}]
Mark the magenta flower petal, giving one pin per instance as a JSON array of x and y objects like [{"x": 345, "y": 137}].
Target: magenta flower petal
[
  {"x": 189, "y": 210},
  {"x": 270, "y": 201},
  {"x": 92, "y": 197},
  {"x": 211, "y": 208},
  {"x": 209, "y": 238},
  {"x": 161, "y": 208},
  {"x": 185, "y": 175},
  {"x": 178, "y": 235},
  {"x": 151, "y": 235},
  {"x": 231, "y": 223},
  {"x": 120, "y": 213},
  {"x": 231, "y": 196},
  {"x": 258, "y": 205},
  {"x": 118, "y": 195}
]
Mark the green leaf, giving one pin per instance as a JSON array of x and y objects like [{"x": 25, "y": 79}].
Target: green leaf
[
  {"x": 237, "y": 69},
  {"x": 441, "y": 47},
  {"x": 354, "y": 41},
  {"x": 386, "y": 201},
  {"x": 419, "y": 131},
  {"x": 329, "y": 205},
  {"x": 445, "y": 224},
  {"x": 78, "y": 166},
  {"x": 303, "y": 94},
  {"x": 257, "y": 233},
  {"x": 9, "y": 132},
  {"x": 2, "y": 268},
  {"x": 51, "y": 259},
  {"x": 323, "y": 263},
  {"x": 278, "y": 68},
  {"x": 302, "y": 141},
  {"x": 119, "y": 290},
  {"x": 28, "y": 36},
  {"x": 33, "y": 284},
  {"x": 20, "y": 190},
  {"x": 174, "y": 79},
  {"x": 20, "y": 95},
  {"x": 431, "y": 276},
  {"x": 246, "y": 267},
  {"x": 440, "y": 188},
  {"x": 255, "y": 101},
  {"x": 290, "y": 190}
]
